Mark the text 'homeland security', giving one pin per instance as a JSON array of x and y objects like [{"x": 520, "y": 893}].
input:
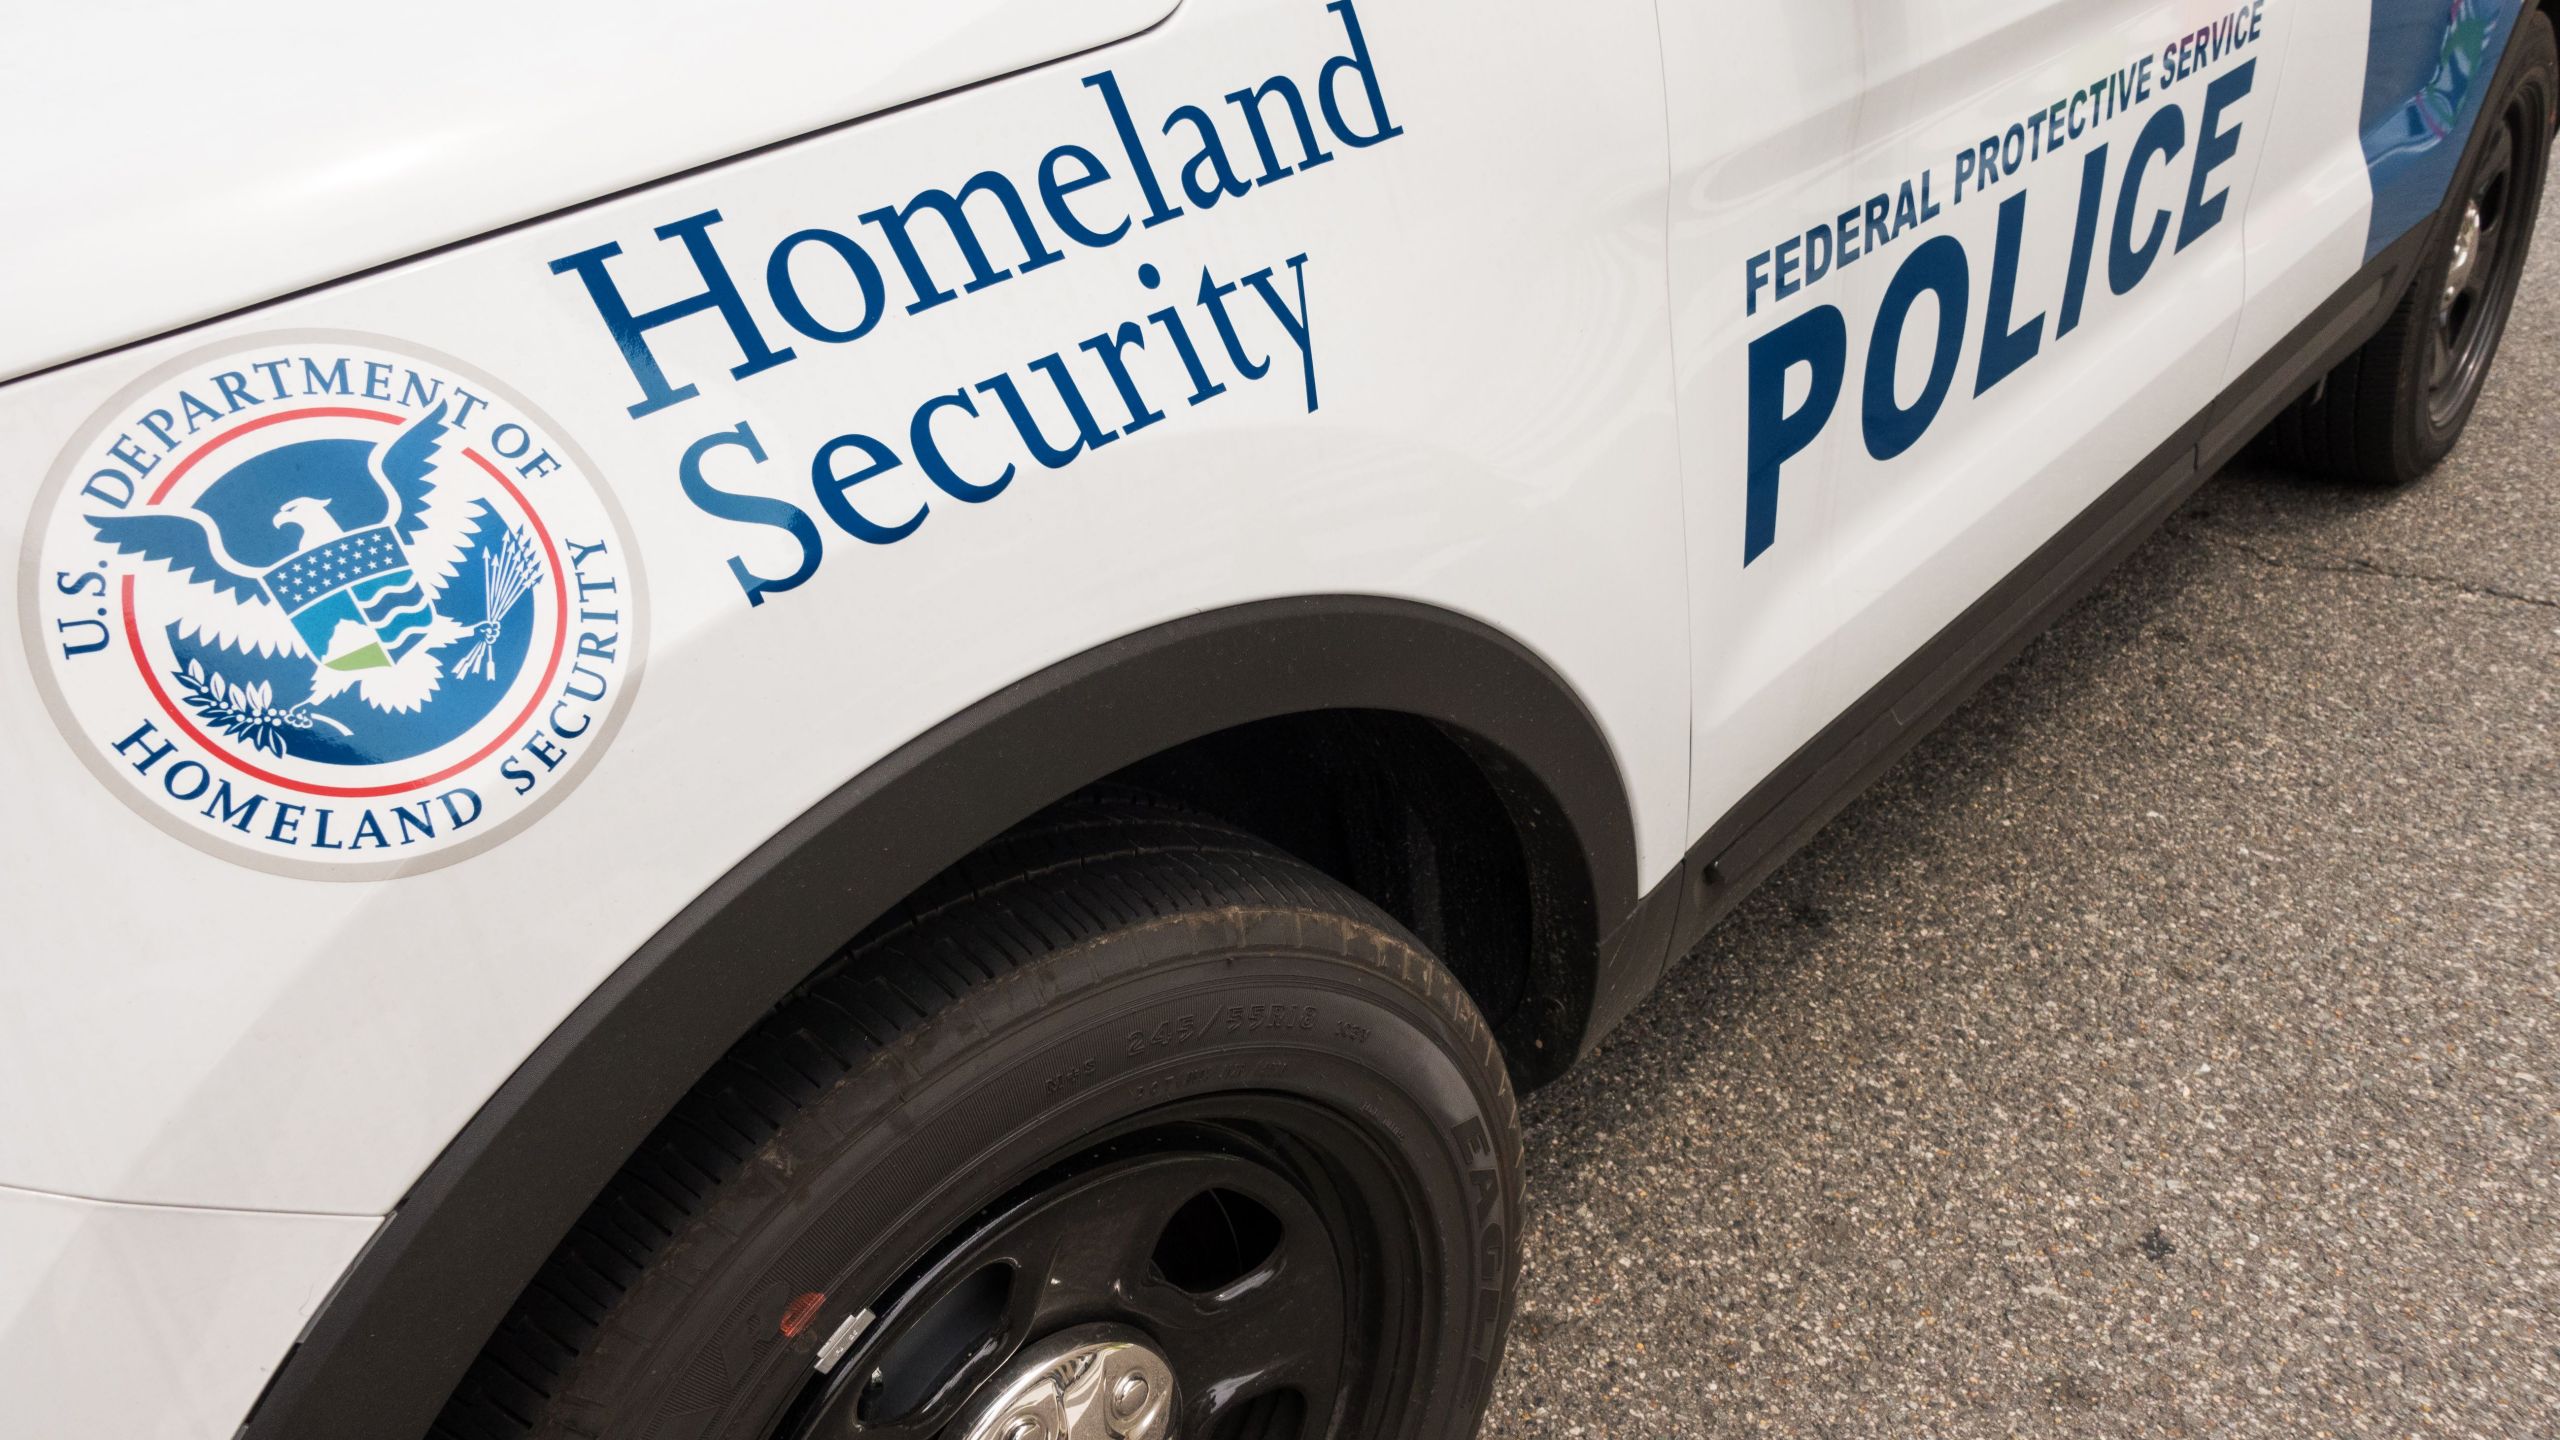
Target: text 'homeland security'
[{"x": 828, "y": 287}]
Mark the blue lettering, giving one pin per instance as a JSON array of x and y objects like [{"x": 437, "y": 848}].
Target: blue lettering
[
  {"x": 749, "y": 510},
  {"x": 831, "y": 487},
  {"x": 2006, "y": 347},
  {"x": 1819, "y": 340},
  {"x": 630, "y": 331},
  {"x": 2164, "y": 135},
  {"x": 1054, "y": 190},
  {"x": 893, "y": 221},
  {"x": 778, "y": 280},
  {"x": 1937, "y": 267},
  {"x": 2214, "y": 147}
]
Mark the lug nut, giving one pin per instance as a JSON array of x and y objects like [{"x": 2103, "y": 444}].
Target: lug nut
[
  {"x": 1129, "y": 1394},
  {"x": 1026, "y": 1427}
]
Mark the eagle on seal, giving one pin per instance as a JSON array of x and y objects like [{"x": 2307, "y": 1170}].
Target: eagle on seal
[{"x": 355, "y": 590}]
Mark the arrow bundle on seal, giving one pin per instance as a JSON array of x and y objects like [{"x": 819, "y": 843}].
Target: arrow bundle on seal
[{"x": 506, "y": 573}]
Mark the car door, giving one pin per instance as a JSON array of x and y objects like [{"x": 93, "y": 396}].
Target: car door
[{"x": 1981, "y": 262}]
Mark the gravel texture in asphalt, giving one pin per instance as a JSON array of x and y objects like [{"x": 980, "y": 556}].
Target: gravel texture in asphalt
[{"x": 2169, "y": 1047}]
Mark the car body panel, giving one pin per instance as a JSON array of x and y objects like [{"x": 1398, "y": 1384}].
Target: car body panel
[
  {"x": 152, "y": 1321},
  {"x": 1494, "y": 404},
  {"x": 212, "y": 161},
  {"x": 1496, "y": 354}
]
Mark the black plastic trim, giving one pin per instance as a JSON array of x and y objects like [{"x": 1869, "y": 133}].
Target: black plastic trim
[{"x": 388, "y": 1347}]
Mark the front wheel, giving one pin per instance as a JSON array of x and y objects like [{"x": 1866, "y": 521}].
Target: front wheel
[
  {"x": 1128, "y": 1127},
  {"x": 2389, "y": 412}
]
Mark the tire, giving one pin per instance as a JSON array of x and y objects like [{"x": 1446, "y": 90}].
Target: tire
[
  {"x": 1128, "y": 1095},
  {"x": 2394, "y": 408}
]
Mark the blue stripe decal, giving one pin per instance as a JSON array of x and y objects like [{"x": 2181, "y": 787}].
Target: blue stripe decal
[{"x": 2427, "y": 70}]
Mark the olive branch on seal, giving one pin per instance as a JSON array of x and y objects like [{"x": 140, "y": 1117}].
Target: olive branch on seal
[{"x": 245, "y": 712}]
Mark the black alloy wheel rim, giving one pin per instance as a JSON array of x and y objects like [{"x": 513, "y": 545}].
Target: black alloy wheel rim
[
  {"x": 1259, "y": 1243},
  {"x": 2471, "y": 309}
]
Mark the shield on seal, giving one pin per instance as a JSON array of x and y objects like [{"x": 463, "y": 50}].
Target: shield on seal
[{"x": 355, "y": 599}]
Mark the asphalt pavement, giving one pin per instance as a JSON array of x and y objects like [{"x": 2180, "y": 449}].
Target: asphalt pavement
[{"x": 2170, "y": 1046}]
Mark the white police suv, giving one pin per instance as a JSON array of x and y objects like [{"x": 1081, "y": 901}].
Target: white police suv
[{"x": 902, "y": 720}]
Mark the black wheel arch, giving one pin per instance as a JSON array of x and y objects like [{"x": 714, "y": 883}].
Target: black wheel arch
[{"x": 387, "y": 1346}]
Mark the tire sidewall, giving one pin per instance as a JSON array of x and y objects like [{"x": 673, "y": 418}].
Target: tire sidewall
[{"x": 990, "y": 1090}]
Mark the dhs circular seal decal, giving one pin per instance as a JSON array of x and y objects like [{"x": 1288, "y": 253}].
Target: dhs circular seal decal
[{"x": 331, "y": 605}]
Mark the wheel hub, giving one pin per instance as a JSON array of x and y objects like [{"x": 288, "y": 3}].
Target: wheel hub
[
  {"x": 1096, "y": 1382},
  {"x": 2466, "y": 254},
  {"x": 1066, "y": 1311}
]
